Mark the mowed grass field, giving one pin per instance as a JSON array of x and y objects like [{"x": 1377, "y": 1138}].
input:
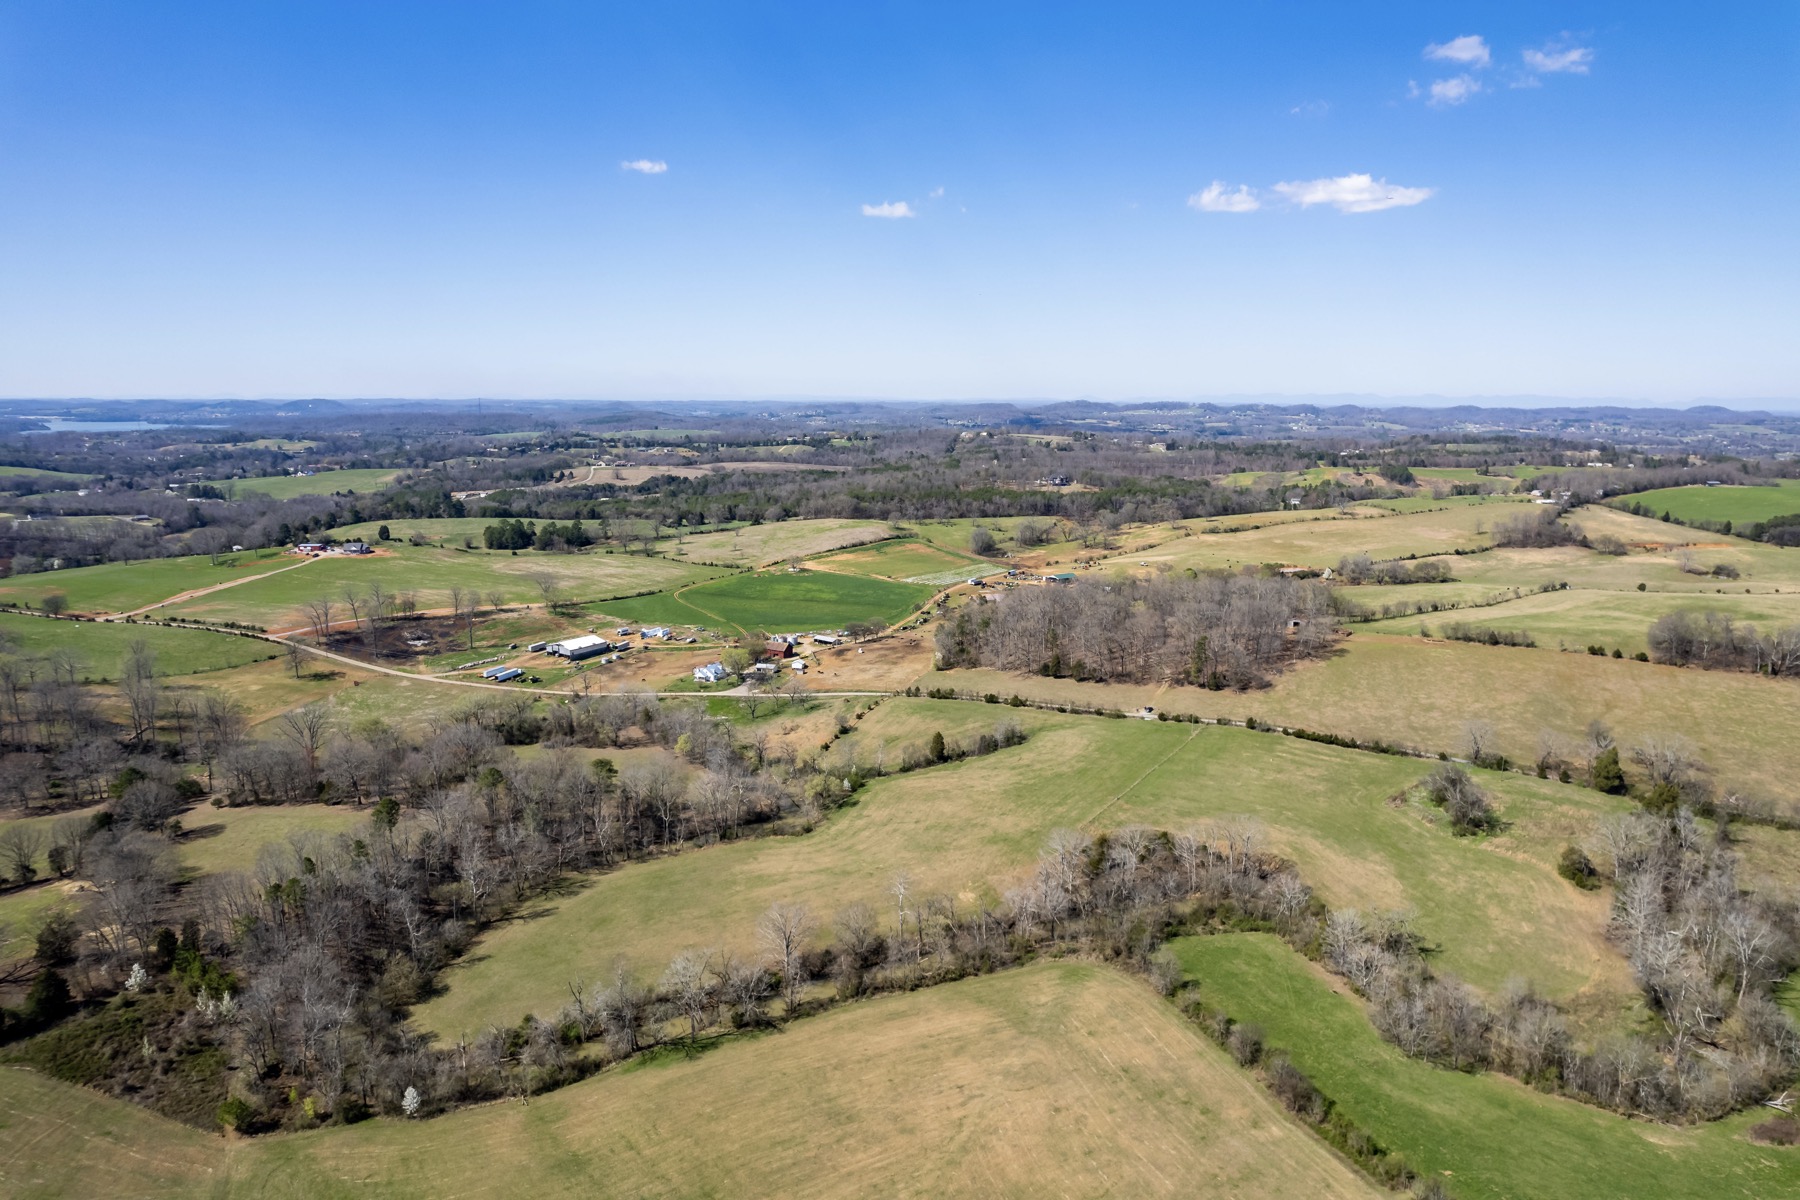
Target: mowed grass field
[
  {"x": 430, "y": 572},
  {"x": 122, "y": 587},
  {"x": 216, "y": 840},
  {"x": 970, "y": 829},
  {"x": 773, "y": 542},
  {"x": 1424, "y": 694},
  {"x": 1060, "y": 1079},
  {"x": 1573, "y": 619},
  {"x": 1321, "y": 543},
  {"x": 908, "y": 559},
  {"x": 778, "y": 601},
  {"x": 100, "y": 648},
  {"x": 325, "y": 483},
  {"x": 1485, "y": 1136},
  {"x": 1739, "y": 505}
]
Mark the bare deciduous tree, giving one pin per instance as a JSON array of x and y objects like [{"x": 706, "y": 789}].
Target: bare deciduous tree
[{"x": 783, "y": 932}]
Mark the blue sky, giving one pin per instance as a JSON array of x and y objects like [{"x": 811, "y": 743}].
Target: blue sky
[{"x": 269, "y": 199}]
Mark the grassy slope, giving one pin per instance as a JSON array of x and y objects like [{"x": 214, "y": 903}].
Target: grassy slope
[
  {"x": 779, "y": 602},
  {"x": 230, "y": 839},
  {"x": 1488, "y": 1136},
  {"x": 759, "y": 545},
  {"x": 1424, "y": 694},
  {"x": 325, "y": 483},
  {"x": 967, "y": 830},
  {"x": 1321, "y": 543},
  {"x": 1060, "y": 1079},
  {"x": 1739, "y": 505},
  {"x": 431, "y": 572},
  {"x": 906, "y": 558},
  {"x": 1574, "y": 619},
  {"x": 120, "y": 587},
  {"x": 101, "y": 648}
]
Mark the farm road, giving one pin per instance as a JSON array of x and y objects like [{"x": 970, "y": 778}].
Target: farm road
[{"x": 206, "y": 591}]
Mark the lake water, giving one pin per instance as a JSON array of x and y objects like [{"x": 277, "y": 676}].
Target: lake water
[{"x": 62, "y": 425}]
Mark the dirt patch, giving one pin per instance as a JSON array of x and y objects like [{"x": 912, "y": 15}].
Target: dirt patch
[{"x": 886, "y": 665}]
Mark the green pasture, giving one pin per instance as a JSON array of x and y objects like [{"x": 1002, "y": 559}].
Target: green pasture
[
  {"x": 122, "y": 587},
  {"x": 1486, "y": 1137},
  {"x": 44, "y": 473},
  {"x": 779, "y": 602},
  {"x": 1739, "y": 505},
  {"x": 430, "y": 572},
  {"x": 449, "y": 530},
  {"x": 325, "y": 483},
  {"x": 100, "y": 648},
  {"x": 216, "y": 840},
  {"x": 969, "y": 829}
]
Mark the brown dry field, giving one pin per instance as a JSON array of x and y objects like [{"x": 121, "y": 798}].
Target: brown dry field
[
  {"x": 1060, "y": 1079},
  {"x": 888, "y": 665},
  {"x": 1424, "y": 694}
]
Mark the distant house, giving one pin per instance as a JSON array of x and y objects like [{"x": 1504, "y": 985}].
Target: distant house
[
  {"x": 356, "y": 548},
  {"x": 311, "y": 548},
  {"x": 777, "y": 648},
  {"x": 577, "y": 648},
  {"x": 710, "y": 673},
  {"x": 826, "y": 639},
  {"x": 1060, "y": 577},
  {"x": 655, "y": 631}
]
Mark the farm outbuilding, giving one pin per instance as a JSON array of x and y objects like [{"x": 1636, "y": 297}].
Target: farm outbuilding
[{"x": 577, "y": 648}]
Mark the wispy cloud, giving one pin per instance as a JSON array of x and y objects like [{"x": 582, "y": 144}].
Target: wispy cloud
[
  {"x": 1556, "y": 59},
  {"x": 1452, "y": 91},
  {"x": 937, "y": 193},
  {"x": 645, "y": 166},
  {"x": 1215, "y": 198},
  {"x": 1471, "y": 50},
  {"x": 1312, "y": 108},
  {"x": 1352, "y": 193},
  {"x": 892, "y": 210}
]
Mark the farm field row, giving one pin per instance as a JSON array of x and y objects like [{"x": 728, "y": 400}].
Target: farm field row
[
  {"x": 1063, "y": 1079},
  {"x": 968, "y": 829},
  {"x": 1321, "y": 543},
  {"x": 325, "y": 483},
  {"x": 1424, "y": 694},
  {"x": 908, "y": 560},
  {"x": 429, "y": 573},
  {"x": 1487, "y": 1137},
  {"x": 1573, "y": 620}
]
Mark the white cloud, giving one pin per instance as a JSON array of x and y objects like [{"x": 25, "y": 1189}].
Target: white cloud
[
  {"x": 645, "y": 166},
  {"x": 937, "y": 193},
  {"x": 893, "y": 210},
  {"x": 1555, "y": 60},
  {"x": 1455, "y": 90},
  {"x": 1471, "y": 49},
  {"x": 1312, "y": 108},
  {"x": 1214, "y": 198},
  {"x": 1353, "y": 193}
]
